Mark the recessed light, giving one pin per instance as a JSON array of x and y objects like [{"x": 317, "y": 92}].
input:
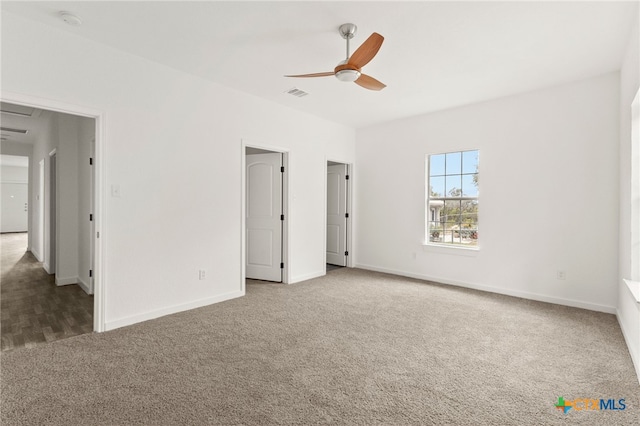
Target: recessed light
[{"x": 71, "y": 19}]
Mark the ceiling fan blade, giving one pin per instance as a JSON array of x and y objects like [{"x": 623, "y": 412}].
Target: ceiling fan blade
[
  {"x": 369, "y": 82},
  {"x": 318, "y": 74},
  {"x": 366, "y": 51}
]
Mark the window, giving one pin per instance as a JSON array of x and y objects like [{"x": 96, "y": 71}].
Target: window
[{"x": 452, "y": 199}]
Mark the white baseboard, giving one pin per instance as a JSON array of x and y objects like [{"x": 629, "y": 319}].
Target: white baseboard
[
  {"x": 88, "y": 288},
  {"x": 635, "y": 355},
  {"x": 306, "y": 277},
  {"x": 66, "y": 281},
  {"x": 112, "y": 325},
  {"x": 46, "y": 268},
  {"x": 36, "y": 255},
  {"x": 490, "y": 289}
]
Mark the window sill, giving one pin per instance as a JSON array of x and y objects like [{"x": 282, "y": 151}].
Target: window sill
[
  {"x": 634, "y": 287},
  {"x": 448, "y": 249}
]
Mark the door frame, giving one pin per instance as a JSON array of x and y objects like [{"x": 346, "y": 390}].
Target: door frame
[
  {"x": 51, "y": 251},
  {"x": 40, "y": 237},
  {"x": 92, "y": 210},
  {"x": 99, "y": 242},
  {"x": 349, "y": 244},
  {"x": 243, "y": 209}
]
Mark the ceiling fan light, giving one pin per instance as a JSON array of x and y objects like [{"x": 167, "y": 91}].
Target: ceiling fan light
[{"x": 348, "y": 75}]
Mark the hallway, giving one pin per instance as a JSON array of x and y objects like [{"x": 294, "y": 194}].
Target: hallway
[{"x": 33, "y": 309}]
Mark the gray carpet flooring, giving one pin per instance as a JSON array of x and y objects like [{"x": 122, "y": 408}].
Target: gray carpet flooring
[{"x": 353, "y": 347}]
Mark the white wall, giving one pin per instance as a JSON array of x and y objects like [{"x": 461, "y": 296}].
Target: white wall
[
  {"x": 548, "y": 187},
  {"x": 628, "y": 309},
  {"x": 172, "y": 142},
  {"x": 67, "y": 224},
  {"x": 16, "y": 148},
  {"x": 47, "y": 141},
  {"x": 14, "y": 174}
]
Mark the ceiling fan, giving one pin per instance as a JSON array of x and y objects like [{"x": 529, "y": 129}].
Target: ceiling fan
[{"x": 351, "y": 68}]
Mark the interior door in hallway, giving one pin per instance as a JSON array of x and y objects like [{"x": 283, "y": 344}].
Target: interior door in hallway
[
  {"x": 264, "y": 217},
  {"x": 337, "y": 214},
  {"x": 14, "y": 207}
]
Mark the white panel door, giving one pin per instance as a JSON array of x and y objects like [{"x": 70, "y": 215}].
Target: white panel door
[
  {"x": 14, "y": 207},
  {"x": 336, "y": 214},
  {"x": 264, "y": 224}
]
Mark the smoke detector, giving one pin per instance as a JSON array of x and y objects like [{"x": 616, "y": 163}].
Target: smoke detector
[{"x": 71, "y": 19}]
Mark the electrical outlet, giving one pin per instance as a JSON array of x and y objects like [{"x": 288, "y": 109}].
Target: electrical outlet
[
  {"x": 202, "y": 274},
  {"x": 561, "y": 275}
]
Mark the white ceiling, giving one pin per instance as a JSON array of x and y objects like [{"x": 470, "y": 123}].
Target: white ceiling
[
  {"x": 17, "y": 117},
  {"x": 436, "y": 55}
]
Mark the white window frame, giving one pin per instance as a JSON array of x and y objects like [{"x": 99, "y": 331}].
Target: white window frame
[{"x": 430, "y": 216}]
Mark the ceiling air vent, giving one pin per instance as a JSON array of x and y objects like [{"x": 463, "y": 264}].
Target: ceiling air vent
[
  {"x": 297, "y": 92},
  {"x": 18, "y": 110},
  {"x": 9, "y": 129}
]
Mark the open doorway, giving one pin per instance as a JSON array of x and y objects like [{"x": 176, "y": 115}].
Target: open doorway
[
  {"x": 56, "y": 268},
  {"x": 264, "y": 214},
  {"x": 338, "y": 218}
]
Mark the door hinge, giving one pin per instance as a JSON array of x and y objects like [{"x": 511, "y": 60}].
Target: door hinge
[
  {"x": 90, "y": 273},
  {"x": 281, "y": 169},
  {"x": 281, "y": 265},
  {"x": 97, "y": 234},
  {"x": 90, "y": 217},
  {"x": 346, "y": 177},
  {"x": 281, "y": 217},
  {"x": 346, "y": 253},
  {"x": 346, "y": 215},
  {"x": 90, "y": 161}
]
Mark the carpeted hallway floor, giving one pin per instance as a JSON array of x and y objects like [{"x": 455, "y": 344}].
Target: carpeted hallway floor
[{"x": 353, "y": 347}]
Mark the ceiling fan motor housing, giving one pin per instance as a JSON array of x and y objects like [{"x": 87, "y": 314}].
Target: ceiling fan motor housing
[{"x": 347, "y": 73}]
